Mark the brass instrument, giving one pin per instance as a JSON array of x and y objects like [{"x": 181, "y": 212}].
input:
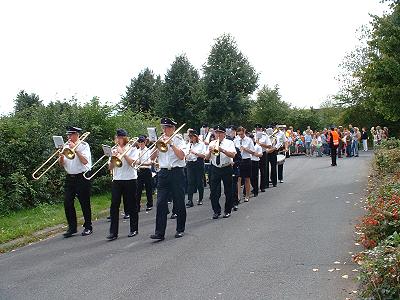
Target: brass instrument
[
  {"x": 67, "y": 152},
  {"x": 98, "y": 161},
  {"x": 158, "y": 145},
  {"x": 116, "y": 160},
  {"x": 215, "y": 150},
  {"x": 274, "y": 139}
]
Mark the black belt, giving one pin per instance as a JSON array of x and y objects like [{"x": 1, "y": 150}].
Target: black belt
[
  {"x": 75, "y": 175},
  {"x": 169, "y": 169}
]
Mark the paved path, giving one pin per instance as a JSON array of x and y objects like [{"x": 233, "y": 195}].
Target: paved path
[{"x": 266, "y": 250}]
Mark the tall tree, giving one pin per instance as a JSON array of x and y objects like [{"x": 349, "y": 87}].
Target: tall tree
[
  {"x": 229, "y": 79},
  {"x": 269, "y": 107},
  {"x": 143, "y": 92},
  {"x": 181, "y": 92},
  {"x": 25, "y": 101},
  {"x": 381, "y": 77}
]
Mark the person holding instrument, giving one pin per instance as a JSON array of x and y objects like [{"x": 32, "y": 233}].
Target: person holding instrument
[
  {"x": 144, "y": 174},
  {"x": 75, "y": 184},
  {"x": 171, "y": 179},
  {"x": 124, "y": 184},
  {"x": 221, "y": 154}
]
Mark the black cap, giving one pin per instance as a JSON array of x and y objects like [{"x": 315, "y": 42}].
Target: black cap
[
  {"x": 167, "y": 122},
  {"x": 121, "y": 132},
  {"x": 142, "y": 139},
  {"x": 269, "y": 126},
  {"x": 219, "y": 128},
  {"x": 193, "y": 132},
  {"x": 204, "y": 125},
  {"x": 73, "y": 129},
  {"x": 233, "y": 127},
  {"x": 258, "y": 125}
]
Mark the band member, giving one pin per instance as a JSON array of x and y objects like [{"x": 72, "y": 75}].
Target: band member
[
  {"x": 264, "y": 141},
  {"x": 221, "y": 154},
  {"x": 124, "y": 185},
  {"x": 171, "y": 179},
  {"x": 284, "y": 147},
  {"x": 145, "y": 177},
  {"x": 75, "y": 184},
  {"x": 246, "y": 146},
  {"x": 196, "y": 152},
  {"x": 272, "y": 157},
  {"x": 255, "y": 160}
]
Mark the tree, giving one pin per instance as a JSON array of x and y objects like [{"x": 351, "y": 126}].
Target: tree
[
  {"x": 269, "y": 107},
  {"x": 24, "y": 101},
  {"x": 380, "y": 78},
  {"x": 180, "y": 93},
  {"x": 229, "y": 79},
  {"x": 143, "y": 92}
]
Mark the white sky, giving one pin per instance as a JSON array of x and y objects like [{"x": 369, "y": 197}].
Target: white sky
[{"x": 59, "y": 49}]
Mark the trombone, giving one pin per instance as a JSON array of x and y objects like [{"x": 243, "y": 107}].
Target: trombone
[
  {"x": 67, "y": 152},
  {"x": 158, "y": 145},
  {"x": 116, "y": 160},
  {"x": 98, "y": 161}
]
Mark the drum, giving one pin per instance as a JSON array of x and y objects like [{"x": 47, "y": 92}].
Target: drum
[{"x": 281, "y": 159}]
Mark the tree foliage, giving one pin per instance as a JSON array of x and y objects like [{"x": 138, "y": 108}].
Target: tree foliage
[
  {"x": 24, "y": 101},
  {"x": 229, "y": 79}
]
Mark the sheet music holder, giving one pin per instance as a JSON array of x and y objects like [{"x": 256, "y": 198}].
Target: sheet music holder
[
  {"x": 58, "y": 142},
  {"x": 152, "y": 134},
  {"x": 107, "y": 150}
]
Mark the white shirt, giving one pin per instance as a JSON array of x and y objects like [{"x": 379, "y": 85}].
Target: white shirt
[
  {"x": 246, "y": 142},
  {"x": 126, "y": 172},
  {"x": 145, "y": 158},
  {"x": 199, "y": 148},
  {"x": 227, "y": 145},
  {"x": 74, "y": 166},
  {"x": 264, "y": 140},
  {"x": 257, "y": 149},
  {"x": 169, "y": 159},
  {"x": 280, "y": 139}
]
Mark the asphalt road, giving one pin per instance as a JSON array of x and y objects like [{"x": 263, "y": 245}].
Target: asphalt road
[{"x": 280, "y": 245}]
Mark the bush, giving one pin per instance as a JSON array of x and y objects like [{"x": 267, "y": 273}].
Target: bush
[
  {"x": 26, "y": 143},
  {"x": 380, "y": 270},
  {"x": 387, "y": 156}
]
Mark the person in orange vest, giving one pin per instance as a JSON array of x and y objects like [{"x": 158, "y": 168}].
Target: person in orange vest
[{"x": 334, "y": 143}]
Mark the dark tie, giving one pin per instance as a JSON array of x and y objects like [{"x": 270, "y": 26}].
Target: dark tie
[{"x": 218, "y": 159}]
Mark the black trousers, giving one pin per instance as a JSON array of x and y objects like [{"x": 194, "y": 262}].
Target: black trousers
[
  {"x": 272, "y": 165},
  {"x": 263, "y": 171},
  {"x": 218, "y": 174},
  {"x": 280, "y": 172},
  {"x": 171, "y": 183},
  {"x": 127, "y": 190},
  {"x": 333, "y": 155},
  {"x": 254, "y": 176},
  {"x": 235, "y": 196},
  {"x": 195, "y": 173},
  {"x": 145, "y": 180},
  {"x": 77, "y": 186}
]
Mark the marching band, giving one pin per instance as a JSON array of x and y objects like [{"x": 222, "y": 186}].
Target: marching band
[{"x": 234, "y": 156}]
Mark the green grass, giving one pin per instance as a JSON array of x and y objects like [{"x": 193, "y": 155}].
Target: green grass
[{"x": 26, "y": 223}]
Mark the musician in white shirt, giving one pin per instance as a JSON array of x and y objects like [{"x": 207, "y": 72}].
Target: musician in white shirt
[
  {"x": 255, "y": 160},
  {"x": 124, "y": 185},
  {"x": 246, "y": 146},
  {"x": 75, "y": 184},
  {"x": 221, "y": 169},
  {"x": 171, "y": 180},
  {"x": 263, "y": 140},
  {"x": 145, "y": 177},
  {"x": 195, "y": 155}
]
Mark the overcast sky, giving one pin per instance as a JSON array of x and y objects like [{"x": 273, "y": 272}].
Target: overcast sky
[{"x": 59, "y": 49}]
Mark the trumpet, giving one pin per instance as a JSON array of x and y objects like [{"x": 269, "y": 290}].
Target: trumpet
[
  {"x": 215, "y": 150},
  {"x": 67, "y": 152},
  {"x": 159, "y": 145}
]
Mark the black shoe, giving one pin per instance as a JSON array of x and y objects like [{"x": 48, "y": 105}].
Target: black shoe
[
  {"x": 280, "y": 181},
  {"x": 274, "y": 185},
  {"x": 255, "y": 194},
  {"x": 112, "y": 237},
  {"x": 189, "y": 204},
  {"x": 173, "y": 216},
  {"x": 262, "y": 190},
  {"x": 216, "y": 215},
  {"x": 157, "y": 237},
  {"x": 133, "y": 233},
  {"x": 126, "y": 216},
  {"x": 86, "y": 232},
  {"x": 199, "y": 202},
  {"x": 235, "y": 207},
  {"x": 149, "y": 208},
  {"x": 226, "y": 215},
  {"x": 179, "y": 234},
  {"x": 69, "y": 233},
  {"x": 109, "y": 218}
]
